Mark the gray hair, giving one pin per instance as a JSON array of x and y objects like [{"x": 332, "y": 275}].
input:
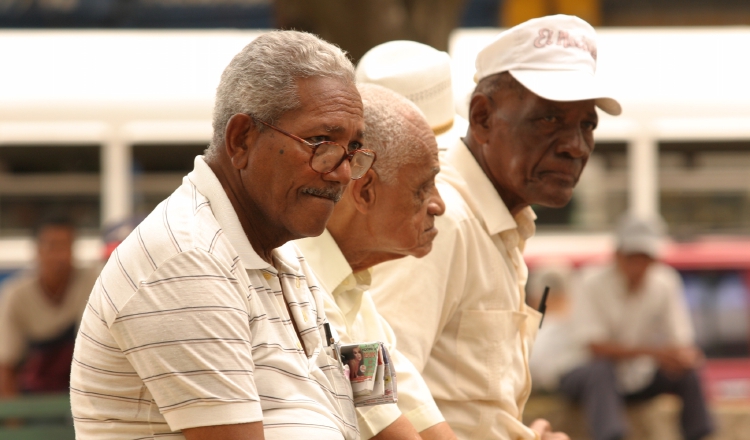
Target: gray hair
[
  {"x": 261, "y": 79},
  {"x": 395, "y": 128}
]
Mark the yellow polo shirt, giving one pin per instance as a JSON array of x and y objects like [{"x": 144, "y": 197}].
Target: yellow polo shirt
[{"x": 352, "y": 313}]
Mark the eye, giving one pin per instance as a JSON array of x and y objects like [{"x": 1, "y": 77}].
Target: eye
[
  {"x": 353, "y": 146},
  {"x": 588, "y": 125},
  {"x": 551, "y": 119},
  {"x": 317, "y": 139}
]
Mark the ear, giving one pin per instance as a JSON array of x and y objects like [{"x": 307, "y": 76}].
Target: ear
[
  {"x": 363, "y": 191},
  {"x": 240, "y": 133},
  {"x": 480, "y": 111}
]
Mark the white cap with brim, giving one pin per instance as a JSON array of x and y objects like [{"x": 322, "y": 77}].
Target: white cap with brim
[
  {"x": 419, "y": 72},
  {"x": 636, "y": 235},
  {"x": 554, "y": 57}
]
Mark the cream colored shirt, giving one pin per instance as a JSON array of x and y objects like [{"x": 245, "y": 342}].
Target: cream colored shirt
[
  {"x": 28, "y": 316},
  {"x": 459, "y": 313},
  {"x": 353, "y": 315},
  {"x": 656, "y": 315},
  {"x": 187, "y": 326}
]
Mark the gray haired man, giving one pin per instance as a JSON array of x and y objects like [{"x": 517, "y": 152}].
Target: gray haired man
[
  {"x": 206, "y": 323},
  {"x": 387, "y": 214}
]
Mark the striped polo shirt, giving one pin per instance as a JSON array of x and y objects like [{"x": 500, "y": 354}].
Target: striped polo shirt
[{"x": 187, "y": 326}]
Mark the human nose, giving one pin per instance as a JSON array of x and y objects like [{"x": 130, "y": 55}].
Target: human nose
[
  {"x": 341, "y": 174},
  {"x": 575, "y": 144},
  {"x": 436, "y": 205}
]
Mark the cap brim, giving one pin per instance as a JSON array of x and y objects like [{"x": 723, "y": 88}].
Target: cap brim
[{"x": 566, "y": 85}]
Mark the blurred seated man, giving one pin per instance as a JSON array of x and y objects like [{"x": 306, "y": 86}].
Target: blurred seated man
[
  {"x": 206, "y": 322},
  {"x": 387, "y": 214},
  {"x": 40, "y": 310},
  {"x": 633, "y": 318}
]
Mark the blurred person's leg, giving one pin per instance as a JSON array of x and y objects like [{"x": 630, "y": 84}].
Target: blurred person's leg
[
  {"x": 695, "y": 419},
  {"x": 594, "y": 385}
]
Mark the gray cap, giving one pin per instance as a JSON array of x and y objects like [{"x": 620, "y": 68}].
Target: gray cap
[{"x": 636, "y": 235}]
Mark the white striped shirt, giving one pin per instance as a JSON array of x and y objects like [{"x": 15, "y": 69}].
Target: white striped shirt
[{"x": 187, "y": 327}]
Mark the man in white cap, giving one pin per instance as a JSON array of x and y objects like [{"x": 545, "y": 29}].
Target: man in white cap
[
  {"x": 423, "y": 75},
  {"x": 460, "y": 312},
  {"x": 387, "y": 214},
  {"x": 632, "y": 316}
]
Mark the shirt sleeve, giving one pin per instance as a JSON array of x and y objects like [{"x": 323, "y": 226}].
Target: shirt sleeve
[
  {"x": 589, "y": 322},
  {"x": 679, "y": 325},
  {"x": 12, "y": 343},
  {"x": 186, "y": 333}
]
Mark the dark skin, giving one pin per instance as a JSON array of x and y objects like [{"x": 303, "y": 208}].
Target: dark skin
[
  {"x": 674, "y": 361},
  {"x": 378, "y": 221},
  {"x": 532, "y": 149},
  {"x": 268, "y": 180},
  {"x": 267, "y": 176}
]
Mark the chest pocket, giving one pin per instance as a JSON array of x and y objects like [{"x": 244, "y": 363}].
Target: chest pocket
[
  {"x": 342, "y": 392},
  {"x": 488, "y": 349}
]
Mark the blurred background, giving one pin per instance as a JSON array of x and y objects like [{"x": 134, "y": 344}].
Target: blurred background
[{"x": 105, "y": 103}]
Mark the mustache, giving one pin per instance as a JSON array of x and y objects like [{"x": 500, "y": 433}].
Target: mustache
[{"x": 331, "y": 193}]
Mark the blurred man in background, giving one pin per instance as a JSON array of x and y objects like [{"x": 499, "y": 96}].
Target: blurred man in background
[
  {"x": 459, "y": 313},
  {"x": 387, "y": 214},
  {"x": 633, "y": 318},
  {"x": 40, "y": 310}
]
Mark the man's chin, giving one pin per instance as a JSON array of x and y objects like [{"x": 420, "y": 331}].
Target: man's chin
[{"x": 557, "y": 198}]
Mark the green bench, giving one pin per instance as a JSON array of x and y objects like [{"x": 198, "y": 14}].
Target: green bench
[{"x": 36, "y": 417}]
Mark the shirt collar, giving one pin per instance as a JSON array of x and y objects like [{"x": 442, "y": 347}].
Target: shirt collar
[
  {"x": 479, "y": 193},
  {"x": 326, "y": 260},
  {"x": 208, "y": 184}
]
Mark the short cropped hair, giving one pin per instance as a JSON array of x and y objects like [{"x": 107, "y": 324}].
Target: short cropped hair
[
  {"x": 390, "y": 129},
  {"x": 261, "y": 79},
  {"x": 491, "y": 84}
]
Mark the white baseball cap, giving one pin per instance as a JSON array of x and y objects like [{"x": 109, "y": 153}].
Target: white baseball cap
[
  {"x": 637, "y": 235},
  {"x": 553, "y": 56},
  {"x": 419, "y": 72}
]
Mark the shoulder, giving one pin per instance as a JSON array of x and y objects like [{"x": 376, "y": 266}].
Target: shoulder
[
  {"x": 17, "y": 286},
  {"x": 665, "y": 277}
]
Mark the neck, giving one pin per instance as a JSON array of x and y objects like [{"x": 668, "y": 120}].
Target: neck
[
  {"x": 54, "y": 285},
  {"x": 264, "y": 236},
  {"x": 511, "y": 201}
]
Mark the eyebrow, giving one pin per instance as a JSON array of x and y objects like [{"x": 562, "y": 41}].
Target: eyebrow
[{"x": 339, "y": 129}]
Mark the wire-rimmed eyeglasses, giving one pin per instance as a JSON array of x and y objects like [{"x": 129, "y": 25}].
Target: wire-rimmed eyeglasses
[{"x": 327, "y": 155}]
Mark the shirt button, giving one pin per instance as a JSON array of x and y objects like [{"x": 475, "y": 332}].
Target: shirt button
[
  {"x": 267, "y": 276},
  {"x": 304, "y": 316},
  {"x": 297, "y": 279}
]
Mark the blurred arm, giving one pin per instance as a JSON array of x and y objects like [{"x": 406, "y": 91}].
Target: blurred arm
[
  {"x": 8, "y": 386},
  {"x": 242, "y": 431}
]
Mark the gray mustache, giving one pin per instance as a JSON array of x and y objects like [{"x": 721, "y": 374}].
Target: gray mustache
[{"x": 327, "y": 193}]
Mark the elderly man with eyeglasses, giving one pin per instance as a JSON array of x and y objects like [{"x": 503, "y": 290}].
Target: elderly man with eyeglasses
[{"x": 206, "y": 323}]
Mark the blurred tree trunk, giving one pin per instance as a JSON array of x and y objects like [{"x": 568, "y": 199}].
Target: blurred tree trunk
[{"x": 359, "y": 25}]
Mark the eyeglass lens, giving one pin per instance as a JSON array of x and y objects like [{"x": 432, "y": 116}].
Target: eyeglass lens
[{"x": 328, "y": 156}]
